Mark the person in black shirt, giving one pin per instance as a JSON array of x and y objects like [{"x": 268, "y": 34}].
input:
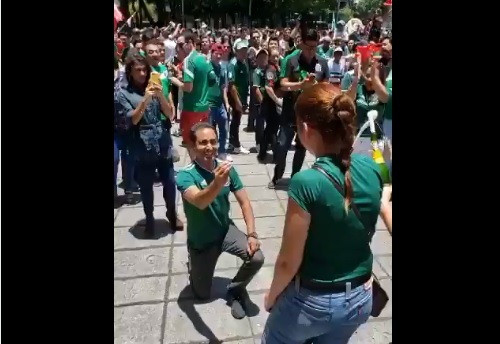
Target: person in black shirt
[{"x": 302, "y": 70}]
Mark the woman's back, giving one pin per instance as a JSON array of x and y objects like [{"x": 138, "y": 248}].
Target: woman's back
[{"x": 338, "y": 243}]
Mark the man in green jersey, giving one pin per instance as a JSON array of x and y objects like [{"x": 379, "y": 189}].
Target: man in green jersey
[
  {"x": 238, "y": 76},
  {"x": 217, "y": 99},
  {"x": 197, "y": 78},
  {"x": 302, "y": 70},
  {"x": 205, "y": 185}
]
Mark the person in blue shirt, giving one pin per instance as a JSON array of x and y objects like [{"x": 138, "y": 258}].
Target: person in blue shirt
[{"x": 142, "y": 103}]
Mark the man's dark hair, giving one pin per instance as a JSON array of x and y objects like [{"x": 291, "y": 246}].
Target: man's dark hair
[
  {"x": 200, "y": 126},
  {"x": 147, "y": 36},
  {"x": 190, "y": 37},
  {"x": 274, "y": 38}
]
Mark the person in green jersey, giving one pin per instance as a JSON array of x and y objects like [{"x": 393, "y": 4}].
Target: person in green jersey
[
  {"x": 386, "y": 60},
  {"x": 197, "y": 78},
  {"x": 367, "y": 88},
  {"x": 217, "y": 100},
  {"x": 259, "y": 91},
  {"x": 324, "y": 265},
  {"x": 325, "y": 50},
  {"x": 205, "y": 185},
  {"x": 152, "y": 53},
  {"x": 238, "y": 76},
  {"x": 302, "y": 71}
]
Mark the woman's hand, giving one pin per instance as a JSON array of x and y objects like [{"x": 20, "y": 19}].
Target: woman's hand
[
  {"x": 158, "y": 90},
  {"x": 268, "y": 303},
  {"x": 150, "y": 92}
]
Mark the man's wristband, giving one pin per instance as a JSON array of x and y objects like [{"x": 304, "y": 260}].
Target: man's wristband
[{"x": 252, "y": 235}]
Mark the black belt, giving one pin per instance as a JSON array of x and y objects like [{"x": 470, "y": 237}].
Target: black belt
[{"x": 333, "y": 287}]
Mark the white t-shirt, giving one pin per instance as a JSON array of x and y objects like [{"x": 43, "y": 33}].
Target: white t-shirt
[
  {"x": 337, "y": 70},
  {"x": 169, "y": 49}
]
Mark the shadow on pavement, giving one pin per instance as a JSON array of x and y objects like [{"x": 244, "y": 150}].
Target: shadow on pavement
[
  {"x": 162, "y": 229},
  {"x": 187, "y": 301},
  {"x": 283, "y": 184}
]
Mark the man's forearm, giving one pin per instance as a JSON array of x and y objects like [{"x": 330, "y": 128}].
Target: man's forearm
[
  {"x": 246, "y": 210},
  {"x": 206, "y": 196}
]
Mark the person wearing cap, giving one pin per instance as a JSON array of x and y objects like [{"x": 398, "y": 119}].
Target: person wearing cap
[
  {"x": 259, "y": 89},
  {"x": 238, "y": 76},
  {"x": 197, "y": 78},
  {"x": 270, "y": 102},
  {"x": 336, "y": 67},
  {"x": 302, "y": 70},
  {"x": 217, "y": 100},
  {"x": 324, "y": 50}
]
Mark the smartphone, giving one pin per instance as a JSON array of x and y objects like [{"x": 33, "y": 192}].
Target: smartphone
[{"x": 155, "y": 78}]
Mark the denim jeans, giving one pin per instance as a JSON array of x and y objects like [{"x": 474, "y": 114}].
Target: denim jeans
[
  {"x": 301, "y": 314},
  {"x": 117, "y": 160},
  {"x": 128, "y": 166},
  {"x": 218, "y": 116},
  {"x": 146, "y": 177}
]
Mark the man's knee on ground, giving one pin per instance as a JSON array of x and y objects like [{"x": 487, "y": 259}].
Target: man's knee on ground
[{"x": 257, "y": 260}]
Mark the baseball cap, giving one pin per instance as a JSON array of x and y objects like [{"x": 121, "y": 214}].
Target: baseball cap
[
  {"x": 338, "y": 49},
  {"x": 217, "y": 48},
  {"x": 241, "y": 44}
]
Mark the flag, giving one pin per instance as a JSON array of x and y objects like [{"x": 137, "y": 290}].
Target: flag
[
  {"x": 118, "y": 16},
  {"x": 333, "y": 21}
]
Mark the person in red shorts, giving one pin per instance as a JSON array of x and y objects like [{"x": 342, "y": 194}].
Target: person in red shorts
[{"x": 197, "y": 75}]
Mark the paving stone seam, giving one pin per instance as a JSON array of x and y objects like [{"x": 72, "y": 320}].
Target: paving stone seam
[
  {"x": 228, "y": 340},
  {"x": 138, "y": 303},
  {"x": 381, "y": 265},
  {"x": 268, "y": 265},
  {"x": 167, "y": 285}
]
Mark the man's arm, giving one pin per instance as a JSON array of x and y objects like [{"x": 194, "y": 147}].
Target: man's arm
[
  {"x": 287, "y": 85},
  {"x": 201, "y": 199},
  {"x": 241, "y": 196},
  {"x": 232, "y": 88}
]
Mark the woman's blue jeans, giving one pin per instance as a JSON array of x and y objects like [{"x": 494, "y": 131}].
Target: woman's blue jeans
[
  {"x": 218, "y": 117},
  {"x": 301, "y": 314},
  {"x": 117, "y": 160}
]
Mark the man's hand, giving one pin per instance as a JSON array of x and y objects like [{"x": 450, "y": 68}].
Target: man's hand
[
  {"x": 221, "y": 174},
  {"x": 253, "y": 245}
]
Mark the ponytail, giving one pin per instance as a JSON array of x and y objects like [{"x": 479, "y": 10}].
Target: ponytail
[{"x": 343, "y": 109}]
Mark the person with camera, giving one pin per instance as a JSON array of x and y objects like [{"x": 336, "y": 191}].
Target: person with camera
[
  {"x": 301, "y": 71},
  {"x": 142, "y": 102}
]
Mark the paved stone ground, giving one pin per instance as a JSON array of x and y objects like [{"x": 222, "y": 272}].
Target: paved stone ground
[{"x": 152, "y": 304}]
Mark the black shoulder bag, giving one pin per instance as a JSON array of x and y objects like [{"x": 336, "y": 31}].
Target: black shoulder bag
[{"x": 380, "y": 297}]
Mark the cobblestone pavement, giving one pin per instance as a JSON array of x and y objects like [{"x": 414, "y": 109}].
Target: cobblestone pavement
[{"x": 152, "y": 304}]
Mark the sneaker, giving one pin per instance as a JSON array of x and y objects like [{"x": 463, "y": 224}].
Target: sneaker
[
  {"x": 225, "y": 157},
  {"x": 272, "y": 184},
  {"x": 240, "y": 150},
  {"x": 177, "y": 133}
]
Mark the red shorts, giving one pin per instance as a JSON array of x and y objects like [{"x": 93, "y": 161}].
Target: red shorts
[{"x": 188, "y": 119}]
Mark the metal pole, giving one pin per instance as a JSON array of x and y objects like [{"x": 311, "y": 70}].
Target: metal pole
[{"x": 250, "y": 14}]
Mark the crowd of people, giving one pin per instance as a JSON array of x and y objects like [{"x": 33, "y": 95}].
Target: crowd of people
[{"x": 299, "y": 86}]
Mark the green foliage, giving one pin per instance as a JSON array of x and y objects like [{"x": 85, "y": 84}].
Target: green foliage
[
  {"x": 366, "y": 8},
  {"x": 345, "y": 14}
]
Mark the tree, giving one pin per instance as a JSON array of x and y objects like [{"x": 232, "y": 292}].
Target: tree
[{"x": 366, "y": 8}]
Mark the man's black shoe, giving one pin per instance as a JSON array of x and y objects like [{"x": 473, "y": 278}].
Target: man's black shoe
[
  {"x": 149, "y": 229},
  {"x": 238, "y": 301}
]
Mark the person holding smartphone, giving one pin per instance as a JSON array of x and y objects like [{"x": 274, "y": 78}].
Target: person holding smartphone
[{"x": 302, "y": 70}]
